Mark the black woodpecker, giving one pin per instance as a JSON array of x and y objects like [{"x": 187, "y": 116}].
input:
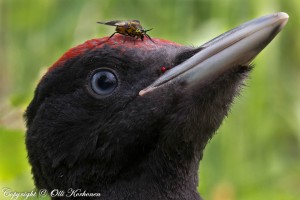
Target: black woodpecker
[{"x": 129, "y": 120}]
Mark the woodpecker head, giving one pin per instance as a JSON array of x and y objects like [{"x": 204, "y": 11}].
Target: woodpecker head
[{"x": 110, "y": 115}]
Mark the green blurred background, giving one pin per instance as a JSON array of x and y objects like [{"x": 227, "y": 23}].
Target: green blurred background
[{"x": 255, "y": 154}]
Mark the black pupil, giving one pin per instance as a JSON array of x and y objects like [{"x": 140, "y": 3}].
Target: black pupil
[{"x": 104, "y": 82}]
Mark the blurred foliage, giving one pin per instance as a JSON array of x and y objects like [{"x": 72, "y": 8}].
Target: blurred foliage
[{"x": 256, "y": 153}]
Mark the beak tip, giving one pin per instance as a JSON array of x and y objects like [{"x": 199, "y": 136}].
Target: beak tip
[
  {"x": 282, "y": 15},
  {"x": 283, "y": 18}
]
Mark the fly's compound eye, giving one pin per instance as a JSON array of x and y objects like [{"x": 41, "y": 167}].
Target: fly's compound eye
[{"x": 103, "y": 82}]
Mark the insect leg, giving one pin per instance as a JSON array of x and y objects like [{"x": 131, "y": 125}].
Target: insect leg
[
  {"x": 112, "y": 35},
  {"x": 149, "y": 37},
  {"x": 124, "y": 38}
]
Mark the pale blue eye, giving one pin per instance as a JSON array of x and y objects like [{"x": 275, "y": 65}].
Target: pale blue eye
[{"x": 104, "y": 82}]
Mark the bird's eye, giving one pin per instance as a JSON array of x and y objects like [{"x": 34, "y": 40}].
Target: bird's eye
[{"x": 103, "y": 82}]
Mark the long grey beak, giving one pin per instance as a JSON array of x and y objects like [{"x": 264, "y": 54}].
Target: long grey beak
[{"x": 237, "y": 47}]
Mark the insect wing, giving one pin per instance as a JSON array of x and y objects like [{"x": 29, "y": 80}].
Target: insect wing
[
  {"x": 124, "y": 24},
  {"x": 112, "y": 23}
]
